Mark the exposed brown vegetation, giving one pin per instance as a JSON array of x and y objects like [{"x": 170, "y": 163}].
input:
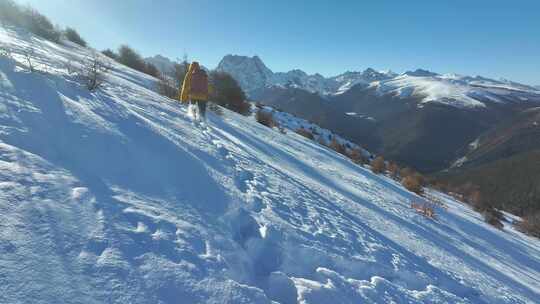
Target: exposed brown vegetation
[
  {"x": 356, "y": 156},
  {"x": 412, "y": 183},
  {"x": 265, "y": 118},
  {"x": 435, "y": 201},
  {"x": 493, "y": 217},
  {"x": 336, "y": 146},
  {"x": 407, "y": 171},
  {"x": 378, "y": 165},
  {"x": 306, "y": 133},
  {"x": 472, "y": 196},
  {"x": 393, "y": 170},
  {"x": 425, "y": 209},
  {"x": 531, "y": 225},
  {"x": 166, "y": 86}
]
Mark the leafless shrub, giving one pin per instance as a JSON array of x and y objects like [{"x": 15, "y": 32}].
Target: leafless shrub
[
  {"x": 412, "y": 183},
  {"x": 265, "y": 118},
  {"x": 356, "y": 156},
  {"x": 94, "y": 71},
  {"x": 336, "y": 146},
  {"x": 493, "y": 217},
  {"x": 436, "y": 201},
  {"x": 404, "y": 172},
  {"x": 412, "y": 178},
  {"x": 306, "y": 133},
  {"x": 530, "y": 225},
  {"x": 393, "y": 170},
  {"x": 442, "y": 187},
  {"x": 378, "y": 165},
  {"x": 166, "y": 86},
  {"x": 28, "y": 53},
  {"x": 426, "y": 209}
]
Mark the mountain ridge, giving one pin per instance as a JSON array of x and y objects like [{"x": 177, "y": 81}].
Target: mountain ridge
[
  {"x": 451, "y": 89},
  {"x": 253, "y": 74}
]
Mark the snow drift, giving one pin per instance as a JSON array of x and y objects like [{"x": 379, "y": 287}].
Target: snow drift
[{"x": 115, "y": 196}]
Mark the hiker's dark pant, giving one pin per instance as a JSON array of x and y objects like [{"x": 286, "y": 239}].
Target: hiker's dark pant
[{"x": 202, "y": 108}]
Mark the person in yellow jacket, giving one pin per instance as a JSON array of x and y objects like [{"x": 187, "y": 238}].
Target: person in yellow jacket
[{"x": 196, "y": 89}]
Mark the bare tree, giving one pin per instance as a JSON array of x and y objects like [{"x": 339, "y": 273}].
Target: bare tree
[
  {"x": 266, "y": 118},
  {"x": 166, "y": 86},
  {"x": 28, "y": 53},
  {"x": 94, "y": 71}
]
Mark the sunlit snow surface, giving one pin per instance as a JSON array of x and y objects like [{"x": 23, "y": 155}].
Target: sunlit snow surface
[
  {"x": 455, "y": 90},
  {"x": 117, "y": 196}
]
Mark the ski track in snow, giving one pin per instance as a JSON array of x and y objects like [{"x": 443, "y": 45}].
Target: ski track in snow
[{"x": 117, "y": 196}]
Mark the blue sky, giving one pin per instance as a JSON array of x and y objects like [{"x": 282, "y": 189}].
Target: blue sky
[{"x": 496, "y": 38}]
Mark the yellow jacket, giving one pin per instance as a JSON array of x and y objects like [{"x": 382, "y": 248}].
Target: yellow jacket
[{"x": 185, "y": 94}]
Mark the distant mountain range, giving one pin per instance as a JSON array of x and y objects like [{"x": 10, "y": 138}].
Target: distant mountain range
[
  {"x": 451, "y": 89},
  {"x": 252, "y": 74}
]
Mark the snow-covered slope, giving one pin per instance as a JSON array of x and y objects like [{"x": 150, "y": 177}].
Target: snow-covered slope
[
  {"x": 116, "y": 196},
  {"x": 320, "y": 135}
]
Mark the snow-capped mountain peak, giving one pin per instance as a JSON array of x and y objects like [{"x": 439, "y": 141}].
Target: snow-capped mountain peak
[{"x": 250, "y": 72}]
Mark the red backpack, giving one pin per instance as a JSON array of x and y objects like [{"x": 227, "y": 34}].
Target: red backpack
[{"x": 199, "y": 83}]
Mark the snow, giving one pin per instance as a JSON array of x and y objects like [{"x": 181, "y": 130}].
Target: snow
[
  {"x": 459, "y": 162},
  {"x": 320, "y": 135},
  {"x": 354, "y": 114},
  {"x": 116, "y": 196},
  {"x": 431, "y": 89},
  {"x": 455, "y": 90},
  {"x": 474, "y": 145}
]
